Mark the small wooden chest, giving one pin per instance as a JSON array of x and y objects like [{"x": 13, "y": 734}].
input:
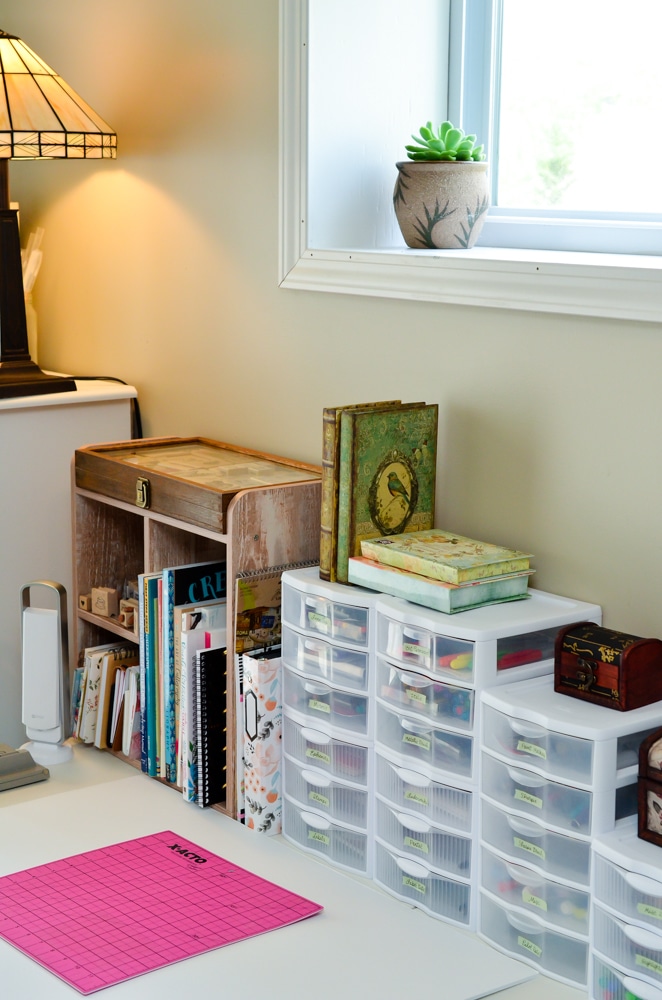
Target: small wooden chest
[
  {"x": 191, "y": 479},
  {"x": 649, "y": 788},
  {"x": 607, "y": 667}
]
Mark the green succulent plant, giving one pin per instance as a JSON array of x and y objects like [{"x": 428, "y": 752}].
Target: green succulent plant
[{"x": 446, "y": 143}]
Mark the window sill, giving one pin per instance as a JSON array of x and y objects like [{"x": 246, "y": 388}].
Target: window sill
[{"x": 582, "y": 284}]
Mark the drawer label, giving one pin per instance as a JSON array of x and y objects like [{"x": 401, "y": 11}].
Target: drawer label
[
  {"x": 320, "y": 799},
  {"x": 532, "y": 800},
  {"x": 416, "y": 741},
  {"x": 417, "y": 845},
  {"x": 418, "y": 797},
  {"x": 648, "y": 963},
  {"x": 416, "y": 696},
  {"x": 318, "y": 755},
  {"x": 649, "y": 911},
  {"x": 528, "y": 897},
  {"x": 524, "y": 747},
  {"x": 319, "y": 706},
  {"x": 413, "y": 649},
  {"x": 411, "y": 883},
  {"x": 529, "y": 946},
  {"x": 321, "y": 838},
  {"x": 525, "y": 845},
  {"x": 316, "y": 619}
]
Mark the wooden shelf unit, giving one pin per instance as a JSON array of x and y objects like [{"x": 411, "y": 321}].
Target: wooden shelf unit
[{"x": 114, "y": 542}]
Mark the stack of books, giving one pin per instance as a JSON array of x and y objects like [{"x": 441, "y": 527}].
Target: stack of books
[{"x": 441, "y": 570}]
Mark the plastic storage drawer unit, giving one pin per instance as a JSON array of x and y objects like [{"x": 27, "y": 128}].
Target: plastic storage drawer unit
[
  {"x": 418, "y": 885},
  {"x": 315, "y": 790},
  {"x": 532, "y": 940},
  {"x": 335, "y": 756},
  {"x": 414, "y": 792}
]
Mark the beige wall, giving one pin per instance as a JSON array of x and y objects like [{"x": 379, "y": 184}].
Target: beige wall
[{"x": 161, "y": 269}]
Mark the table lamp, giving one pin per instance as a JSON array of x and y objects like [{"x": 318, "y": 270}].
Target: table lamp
[{"x": 41, "y": 117}]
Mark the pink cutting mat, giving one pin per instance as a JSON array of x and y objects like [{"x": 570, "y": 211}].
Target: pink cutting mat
[{"x": 98, "y": 918}]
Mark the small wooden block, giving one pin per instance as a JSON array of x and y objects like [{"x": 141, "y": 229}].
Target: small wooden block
[
  {"x": 105, "y": 601},
  {"x": 85, "y": 602}
]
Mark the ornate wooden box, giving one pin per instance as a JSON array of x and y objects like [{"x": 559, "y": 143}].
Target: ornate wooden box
[
  {"x": 191, "y": 479},
  {"x": 607, "y": 667},
  {"x": 650, "y": 788}
]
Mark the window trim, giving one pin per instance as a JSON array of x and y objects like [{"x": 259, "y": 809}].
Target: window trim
[{"x": 585, "y": 284}]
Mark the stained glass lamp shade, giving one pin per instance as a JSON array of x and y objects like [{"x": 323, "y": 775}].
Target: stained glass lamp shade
[{"x": 41, "y": 117}]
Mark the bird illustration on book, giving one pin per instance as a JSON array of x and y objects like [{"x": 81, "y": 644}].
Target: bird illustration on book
[{"x": 393, "y": 493}]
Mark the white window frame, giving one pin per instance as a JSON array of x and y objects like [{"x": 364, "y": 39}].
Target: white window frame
[{"x": 574, "y": 283}]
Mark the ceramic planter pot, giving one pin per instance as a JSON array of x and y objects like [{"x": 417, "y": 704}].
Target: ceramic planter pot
[{"x": 441, "y": 204}]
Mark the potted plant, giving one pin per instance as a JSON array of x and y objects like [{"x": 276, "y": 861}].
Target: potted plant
[{"x": 441, "y": 193}]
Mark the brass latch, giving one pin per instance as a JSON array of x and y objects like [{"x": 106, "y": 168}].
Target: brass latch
[{"x": 142, "y": 492}]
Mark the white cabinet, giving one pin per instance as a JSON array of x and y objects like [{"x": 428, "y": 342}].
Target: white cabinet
[{"x": 38, "y": 438}]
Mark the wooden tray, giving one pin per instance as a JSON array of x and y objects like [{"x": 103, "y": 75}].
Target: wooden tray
[{"x": 191, "y": 479}]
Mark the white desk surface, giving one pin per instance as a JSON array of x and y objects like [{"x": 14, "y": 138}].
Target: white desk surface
[{"x": 365, "y": 943}]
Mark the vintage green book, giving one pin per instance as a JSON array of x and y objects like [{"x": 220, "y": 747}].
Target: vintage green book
[
  {"x": 330, "y": 463},
  {"x": 387, "y": 475},
  {"x": 441, "y": 555},
  {"x": 446, "y": 597}
]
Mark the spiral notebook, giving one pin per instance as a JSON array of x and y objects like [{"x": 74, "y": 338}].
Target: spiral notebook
[{"x": 211, "y": 724}]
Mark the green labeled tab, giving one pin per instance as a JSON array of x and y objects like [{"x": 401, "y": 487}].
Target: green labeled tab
[
  {"x": 528, "y": 897},
  {"x": 320, "y": 799},
  {"x": 649, "y": 911},
  {"x": 319, "y": 706},
  {"x": 411, "y": 883},
  {"x": 648, "y": 963},
  {"x": 417, "y": 845},
  {"x": 418, "y": 798},
  {"x": 529, "y": 946},
  {"x": 416, "y": 696},
  {"x": 532, "y": 800},
  {"x": 325, "y": 758},
  {"x": 416, "y": 741},
  {"x": 524, "y": 747},
  {"x": 321, "y": 838},
  {"x": 525, "y": 845}
]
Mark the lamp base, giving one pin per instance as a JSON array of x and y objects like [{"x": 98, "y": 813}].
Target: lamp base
[{"x": 27, "y": 379}]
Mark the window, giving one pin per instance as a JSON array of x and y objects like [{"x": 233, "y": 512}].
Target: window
[{"x": 356, "y": 79}]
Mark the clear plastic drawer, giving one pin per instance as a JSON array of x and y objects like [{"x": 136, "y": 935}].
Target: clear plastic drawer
[
  {"x": 415, "y": 792},
  {"x": 340, "y": 845},
  {"x": 419, "y": 647},
  {"x": 417, "y": 884},
  {"x": 437, "y": 751},
  {"x": 317, "y": 791},
  {"x": 532, "y": 843},
  {"x": 531, "y": 940},
  {"x": 532, "y": 745},
  {"x": 610, "y": 984},
  {"x": 556, "y": 903},
  {"x": 562, "y": 806},
  {"x": 634, "y": 896},
  {"x": 335, "y": 619},
  {"x": 414, "y": 837},
  {"x": 326, "y": 706},
  {"x": 432, "y": 699},
  {"x": 636, "y": 949},
  {"x": 336, "y": 665},
  {"x": 335, "y": 757}
]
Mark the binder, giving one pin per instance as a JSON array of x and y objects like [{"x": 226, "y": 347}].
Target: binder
[{"x": 211, "y": 729}]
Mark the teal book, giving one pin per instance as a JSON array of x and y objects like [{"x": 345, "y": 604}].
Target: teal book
[
  {"x": 387, "y": 475},
  {"x": 446, "y": 597},
  {"x": 148, "y": 609},
  {"x": 188, "y": 584}
]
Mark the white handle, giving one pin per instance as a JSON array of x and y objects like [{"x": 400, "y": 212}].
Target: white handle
[
  {"x": 316, "y": 821},
  {"x": 644, "y": 991},
  {"x": 315, "y": 688},
  {"x": 640, "y": 883},
  {"x": 315, "y": 778},
  {"x": 522, "y": 826},
  {"x": 526, "y": 778},
  {"x": 312, "y": 736},
  {"x": 526, "y": 729},
  {"x": 414, "y": 680},
  {"x": 642, "y": 937},
  {"x": 411, "y": 868},
  {"x": 524, "y": 875},
  {"x": 523, "y": 925},
  {"x": 412, "y": 777},
  {"x": 413, "y": 822}
]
